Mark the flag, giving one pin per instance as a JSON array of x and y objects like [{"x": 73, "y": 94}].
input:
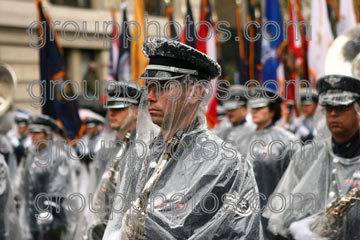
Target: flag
[
  {"x": 270, "y": 60},
  {"x": 249, "y": 55},
  {"x": 208, "y": 47},
  {"x": 123, "y": 64},
  {"x": 346, "y": 16},
  {"x": 188, "y": 35},
  {"x": 51, "y": 69},
  {"x": 119, "y": 67},
  {"x": 138, "y": 60},
  {"x": 242, "y": 63},
  {"x": 254, "y": 46},
  {"x": 304, "y": 44},
  {"x": 114, "y": 49},
  {"x": 172, "y": 30},
  {"x": 295, "y": 55},
  {"x": 322, "y": 37},
  {"x": 357, "y": 10}
]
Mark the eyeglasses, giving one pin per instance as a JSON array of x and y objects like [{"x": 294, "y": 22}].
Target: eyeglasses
[{"x": 338, "y": 109}]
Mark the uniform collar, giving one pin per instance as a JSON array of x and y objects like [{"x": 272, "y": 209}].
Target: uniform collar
[
  {"x": 240, "y": 123},
  {"x": 344, "y": 149},
  {"x": 268, "y": 126}
]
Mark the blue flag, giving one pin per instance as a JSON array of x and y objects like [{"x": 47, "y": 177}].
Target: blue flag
[
  {"x": 123, "y": 68},
  {"x": 188, "y": 35},
  {"x": 274, "y": 32},
  {"x": 52, "y": 69}
]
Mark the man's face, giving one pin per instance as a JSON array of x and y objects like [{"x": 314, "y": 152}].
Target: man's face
[
  {"x": 261, "y": 115},
  {"x": 309, "y": 109},
  {"x": 92, "y": 131},
  {"x": 23, "y": 130},
  {"x": 341, "y": 120},
  {"x": 37, "y": 137},
  {"x": 237, "y": 115},
  {"x": 162, "y": 102},
  {"x": 118, "y": 117}
]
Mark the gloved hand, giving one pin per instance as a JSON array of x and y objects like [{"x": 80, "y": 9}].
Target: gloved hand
[{"x": 300, "y": 230}]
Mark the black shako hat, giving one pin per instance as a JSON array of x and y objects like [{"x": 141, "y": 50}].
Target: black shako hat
[
  {"x": 261, "y": 97},
  {"x": 122, "y": 95},
  {"x": 337, "y": 90},
  {"x": 169, "y": 59}
]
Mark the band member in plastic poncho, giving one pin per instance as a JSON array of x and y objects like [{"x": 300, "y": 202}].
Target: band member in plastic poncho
[
  {"x": 321, "y": 173},
  {"x": 91, "y": 140},
  {"x": 122, "y": 108},
  {"x": 20, "y": 139},
  {"x": 268, "y": 147},
  {"x": 122, "y": 103},
  {"x": 305, "y": 124},
  {"x": 188, "y": 186},
  {"x": 9, "y": 220},
  {"x": 47, "y": 180},
  {"x": 236, "y": 110}
]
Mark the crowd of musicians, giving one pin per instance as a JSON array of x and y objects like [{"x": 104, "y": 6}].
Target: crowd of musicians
[{"x": 152, "y": 169}]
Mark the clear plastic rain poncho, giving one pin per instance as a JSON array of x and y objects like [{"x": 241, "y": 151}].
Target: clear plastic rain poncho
[
  {"x": 224, "y": 124},
  {"x": 49, "y": 201},
  {"x": 9, "y": 220},
  {"x": 5, "y": 145},
  {"x": 314, "y": 179},
  {"x": 108, "y": 164},
  {"x": 269, "y": 151},
  {"x": 185, "y": 184},
  {"x": 236, "y": 133},
  {"x": 100, "y": 200}
]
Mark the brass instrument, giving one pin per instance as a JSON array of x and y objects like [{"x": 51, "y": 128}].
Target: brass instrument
[
  {"x": 137, "y": 231},
  {"x": 7, "y": 87},
  {"x": 343, "y": 57},
  {"x": 105, "y": 191},
  {"x": 329, "y": 223}
]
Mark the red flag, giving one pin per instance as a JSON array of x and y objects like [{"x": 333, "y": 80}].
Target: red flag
[{"x": 206, "y": 43}]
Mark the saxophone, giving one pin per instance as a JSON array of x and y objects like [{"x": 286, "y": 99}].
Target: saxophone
[
  {"x": 329, "y": 223},
  {"x": 137, "y": 231},
  {"x": 105, "y": 192}
]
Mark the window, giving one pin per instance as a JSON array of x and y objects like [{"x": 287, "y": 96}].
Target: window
[{"x": 155, "y": 7}]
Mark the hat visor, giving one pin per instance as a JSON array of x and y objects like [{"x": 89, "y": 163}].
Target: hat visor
[
  {"x": 232, "y": 105},
  {"x": 117, "y": 105},
  {"x": 37, "y": 128},
  {"x": 160, "y": 75},
  {"x": 305, "y": 103},
  {"x": 90, "y": 125},
  {"x": 258, "y": 103},
  {"x": 21, "y": 124},
  {"x": 336, "y": 98}
]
